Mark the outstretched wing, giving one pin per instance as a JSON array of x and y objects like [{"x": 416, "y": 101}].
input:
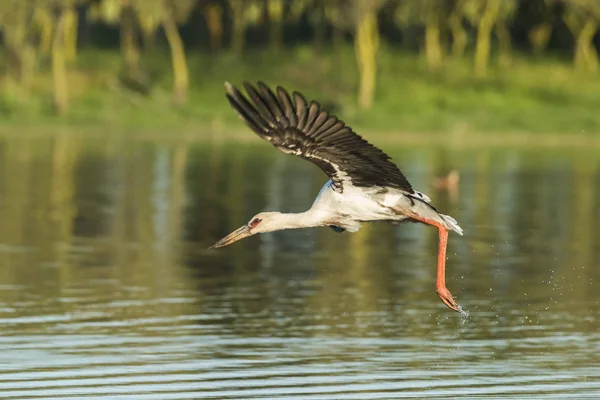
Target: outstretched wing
[{"x": 304, "y": 130}]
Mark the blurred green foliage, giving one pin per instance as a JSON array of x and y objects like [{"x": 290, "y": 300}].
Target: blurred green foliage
[{"x": 461, "y": 61}]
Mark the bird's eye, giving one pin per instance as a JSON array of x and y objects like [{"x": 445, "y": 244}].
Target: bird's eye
[{"x": 255, "y": 222}]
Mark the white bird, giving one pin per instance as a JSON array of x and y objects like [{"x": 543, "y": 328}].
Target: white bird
[{"x": 364, "y": 185}]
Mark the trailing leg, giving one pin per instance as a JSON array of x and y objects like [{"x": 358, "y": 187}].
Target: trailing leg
[{"x": 440, "y": 286}]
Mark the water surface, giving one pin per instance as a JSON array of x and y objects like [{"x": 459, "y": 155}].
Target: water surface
[{"x": 107, "y": 289}]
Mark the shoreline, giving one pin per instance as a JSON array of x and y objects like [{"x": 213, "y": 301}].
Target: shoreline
[{"x": 243, "y": 135}]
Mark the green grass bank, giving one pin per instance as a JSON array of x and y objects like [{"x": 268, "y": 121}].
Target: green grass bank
[{"x": 530, "y": 97}]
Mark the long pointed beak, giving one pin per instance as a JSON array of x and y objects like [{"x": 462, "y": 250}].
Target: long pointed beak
[{"x": 238, "y": 234}]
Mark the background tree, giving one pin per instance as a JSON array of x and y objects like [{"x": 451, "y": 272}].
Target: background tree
[
  {"x": 366, "y": 42},
  {"x": 170, "y": 13},
  {"x": 21, "y": 53},
  {"x": 502, "y": 31},
  {"x": 59, "y": 60},
  {"x": 121, "y": 13},
  {"x": 537, "y": 17},
  {"x": 484, "y": 15},
  {"x": 316, "y": 16},
  {"x": 129, "y": 35},
  {"x": 340, "y": 16},
  {"x": 64, "y": 43},
  {"x": 43, "y": 23},
  {"x": 275, "y": 11},
  {"x": 280, "y": 13},
  {"x": 581, "y": 17},
  {"x": 243, "y": 13},
  {"x": 460, "y": 37},
  {"x": 432, "y": 16},
  {"x": 71, "y": 23},
  {"x": 213, "y": 13}
]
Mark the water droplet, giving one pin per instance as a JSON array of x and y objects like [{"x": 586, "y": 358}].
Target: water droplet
[{"x": 464, "y": 314}]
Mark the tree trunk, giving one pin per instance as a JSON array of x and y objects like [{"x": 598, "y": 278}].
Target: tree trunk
[
  {"x": 275, "y": 10},
  {"x": 180, "y": 70},
  {"x": 366, "y": 43},
  {"x": 319, "y": 28},
  {"x": 586, "y": 56},
  {"x": 484, "y": 30},
  {"x": 46, "y": 25},
  {"x": 504, "y": 41},
  {"x": 482, "y": 49},
  {"x": 238, "y": 40},
  {"x": 21, "y": 55},
  {"x": 215, "y": 26},
  {"x": 129, "y": 39},
  {"x": 433, "y": 49},
  {"x": 539, "y": 36},
  {"x": 28, "y": 60},
  {"x": 70, "y": 34},
  {"x": 149, "y": 41},
  {"x": 459, "y": 35},
  {"x": 59, "y": 70}
]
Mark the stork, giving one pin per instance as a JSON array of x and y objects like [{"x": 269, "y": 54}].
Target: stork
[{"x": 364, "y": 185}]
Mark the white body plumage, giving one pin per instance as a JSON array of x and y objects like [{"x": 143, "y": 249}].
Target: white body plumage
[{"x": 356, "y": 204}]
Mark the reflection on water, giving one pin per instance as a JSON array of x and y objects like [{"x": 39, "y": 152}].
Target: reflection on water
[{"x": 107, "y": 289}]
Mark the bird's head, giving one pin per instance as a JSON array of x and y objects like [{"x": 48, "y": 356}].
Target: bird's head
[{"x": 262, "y": 222}]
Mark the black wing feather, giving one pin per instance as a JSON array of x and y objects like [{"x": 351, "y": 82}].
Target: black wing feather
[
  {"x": 288, "y": 107},
  {"x": 303, "y": 129},
  {"x": 248, "y": 114}
]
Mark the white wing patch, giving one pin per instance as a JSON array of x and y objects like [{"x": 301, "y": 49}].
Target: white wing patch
[
  {"x": 291, "y": 150},
  {"x": 341, "y": 176}
]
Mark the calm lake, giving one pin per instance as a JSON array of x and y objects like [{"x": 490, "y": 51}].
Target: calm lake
[{"x": 108, "y": 291}]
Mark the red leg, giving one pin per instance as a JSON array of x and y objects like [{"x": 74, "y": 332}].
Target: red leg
[{"x": 441, "y": 288}]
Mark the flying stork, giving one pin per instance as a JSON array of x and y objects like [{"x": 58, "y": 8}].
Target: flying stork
[{"x": 364, "y": 185}]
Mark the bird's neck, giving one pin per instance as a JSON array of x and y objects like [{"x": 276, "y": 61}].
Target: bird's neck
[{"x": 307, "y": 219}]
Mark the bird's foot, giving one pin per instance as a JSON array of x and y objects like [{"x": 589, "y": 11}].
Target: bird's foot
[{"x": 447, "y": 298}]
